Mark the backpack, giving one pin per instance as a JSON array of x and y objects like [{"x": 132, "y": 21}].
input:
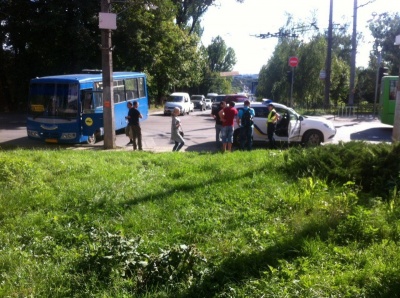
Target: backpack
[{"x": 247, "y": 118}]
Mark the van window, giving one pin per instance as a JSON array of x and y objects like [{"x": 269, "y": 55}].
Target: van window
[{"x": 175, "y": 98}]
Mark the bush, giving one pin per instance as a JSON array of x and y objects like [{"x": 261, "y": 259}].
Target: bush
[{"x": 375, "y": 168}]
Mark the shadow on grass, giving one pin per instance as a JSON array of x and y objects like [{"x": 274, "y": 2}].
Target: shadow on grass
[{"x": 237, "y": 269}]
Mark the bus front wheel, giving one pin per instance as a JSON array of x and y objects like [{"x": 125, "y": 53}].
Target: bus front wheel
[{"x": 91, "y": 140}]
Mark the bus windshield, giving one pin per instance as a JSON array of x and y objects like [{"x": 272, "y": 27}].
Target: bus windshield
[{"x": 54, "y": 100}]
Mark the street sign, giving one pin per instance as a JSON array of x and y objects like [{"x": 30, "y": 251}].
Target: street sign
[{"x": 293, "y": 61}]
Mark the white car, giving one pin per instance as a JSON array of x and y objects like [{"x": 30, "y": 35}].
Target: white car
[
  {"x": 291, "y": 127},
  {"x": 208, "y": 103},
  {"x": 180, "y": 100}
]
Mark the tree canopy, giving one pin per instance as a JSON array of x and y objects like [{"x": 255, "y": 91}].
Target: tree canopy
[{"x": 48, "y": 37}]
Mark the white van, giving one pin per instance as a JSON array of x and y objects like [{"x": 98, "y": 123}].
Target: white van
[{"x": 180, "y": 100}]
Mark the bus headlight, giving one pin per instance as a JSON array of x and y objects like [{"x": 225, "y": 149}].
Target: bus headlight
[
  {"x": 33, "y": 133},
  {"x": 68, "y": 136}
]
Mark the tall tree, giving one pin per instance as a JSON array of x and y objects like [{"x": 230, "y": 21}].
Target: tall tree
[
  {"x": 384, "y": 29},
  {"x": 220, "y": 57},
  {"x": 190, "y": 12},
  {"x": 45, "y": 37}
]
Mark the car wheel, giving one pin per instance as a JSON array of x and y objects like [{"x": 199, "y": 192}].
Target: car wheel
[{"x": 312, "y": 138}]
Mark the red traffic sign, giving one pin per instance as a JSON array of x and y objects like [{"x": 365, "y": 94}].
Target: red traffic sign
[{"x": 293, "y": 61}]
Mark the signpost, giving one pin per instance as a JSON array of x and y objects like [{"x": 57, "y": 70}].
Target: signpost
[{"x": 293, "y": 62}]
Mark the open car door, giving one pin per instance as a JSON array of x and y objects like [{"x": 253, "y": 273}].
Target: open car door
[{"x": 294, "y": 127}]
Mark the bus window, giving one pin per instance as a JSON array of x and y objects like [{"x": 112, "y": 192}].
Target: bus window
[
  {"x": 87, "y": 102},
  {"x": 97, "y": 100},
  {"x": 141, "y": 87},
  {"x": 131, "y": 88}
]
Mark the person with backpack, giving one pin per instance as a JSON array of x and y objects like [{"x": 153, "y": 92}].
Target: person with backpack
[{"x": 245, "y": 122}]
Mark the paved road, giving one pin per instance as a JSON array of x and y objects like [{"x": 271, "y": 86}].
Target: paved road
[{"x": 199, "y": 133}]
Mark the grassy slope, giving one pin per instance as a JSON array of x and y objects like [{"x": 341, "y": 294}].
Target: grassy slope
[{"x": 265, "y": 223}]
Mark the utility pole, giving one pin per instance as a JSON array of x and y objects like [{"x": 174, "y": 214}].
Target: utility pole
[
  {"x": 379, "y": 48},
  {"x": 328, "y": 58},
  {"x": 107, "y": 72},
  {"x": 353, "y": 55}
]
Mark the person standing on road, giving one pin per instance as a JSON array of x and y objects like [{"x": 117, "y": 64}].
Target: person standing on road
[
  {"x": 176, "y": 130},
  {"x": 128, "y": 132},
  {"x": 227, "y": 116},
  {"x": 133, "y": 117},
  {"x": 218, "y": 123},
  {"x": 245, "y": 122},
  {"x": 272, "y": 119}
]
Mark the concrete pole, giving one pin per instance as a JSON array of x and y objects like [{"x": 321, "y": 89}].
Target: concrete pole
[
  {"x": 107, "y": 72},
  {"x": 377, "y": 78},
  {"x": 328, "y": 62}
]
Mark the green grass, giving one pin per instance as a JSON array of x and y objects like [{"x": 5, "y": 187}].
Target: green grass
[{"x": 320, "y": 222}]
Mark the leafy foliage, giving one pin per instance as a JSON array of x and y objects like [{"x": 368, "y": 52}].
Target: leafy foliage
[
  {"x": 375, "y": 168},
  {"x": 105, "y": 254}
]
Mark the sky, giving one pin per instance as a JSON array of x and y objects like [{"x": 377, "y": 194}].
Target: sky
[{"x": 237, "y": 22}]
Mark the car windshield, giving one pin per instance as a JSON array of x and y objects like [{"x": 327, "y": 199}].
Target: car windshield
[
  {"x": 174, "y": 98},
  {"x": 198, "y": 97},
  {"x": 236, "y": 98},
  {"x": 293, "y": 111},
  {"x": 219, "y": 98}
]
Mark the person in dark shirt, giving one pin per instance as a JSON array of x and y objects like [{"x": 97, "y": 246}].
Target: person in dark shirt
[
  {"x": 218, "y": 123},
  {"x": 128, "y": 132},
  {"x": 133, "y": 121}
]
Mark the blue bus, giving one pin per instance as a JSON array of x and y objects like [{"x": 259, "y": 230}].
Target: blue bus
[{"x": 69, "y": 108}]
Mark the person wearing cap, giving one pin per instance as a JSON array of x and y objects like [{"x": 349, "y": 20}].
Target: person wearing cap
[
  {"x": 272, "y": 119},
  {"x": 245, "y": 122}
]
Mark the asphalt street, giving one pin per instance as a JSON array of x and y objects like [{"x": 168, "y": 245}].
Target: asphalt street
[{"x": 199, "y": 133}]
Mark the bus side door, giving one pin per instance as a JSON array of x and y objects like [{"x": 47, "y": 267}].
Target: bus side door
[{"x": 92, "y": 112}]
